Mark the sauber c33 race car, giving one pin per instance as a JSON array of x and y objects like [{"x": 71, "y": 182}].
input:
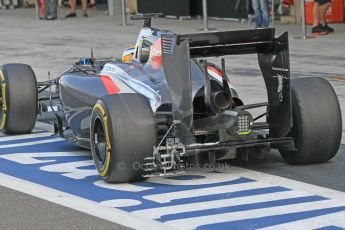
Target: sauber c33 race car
[{"x": 164, "y": 105}]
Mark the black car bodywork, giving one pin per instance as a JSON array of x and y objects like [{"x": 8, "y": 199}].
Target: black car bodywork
[{"x": 188, "y": 94}]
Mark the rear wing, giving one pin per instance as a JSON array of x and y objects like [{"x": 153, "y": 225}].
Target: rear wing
[
  {"x": 228, "y": 42},
  {"x": 273, "y": 57}
]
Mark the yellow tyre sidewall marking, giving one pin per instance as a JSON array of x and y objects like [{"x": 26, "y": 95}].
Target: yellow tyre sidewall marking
[
  {"x": 4, "y": 105},
  {"x": 244, "y": 133},
  {"x": 107, "y": 139}
]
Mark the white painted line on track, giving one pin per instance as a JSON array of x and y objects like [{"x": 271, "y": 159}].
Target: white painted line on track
[
  {"x": 168, "y": 197},
  {"x": 334, "y": 219},
  {"x": 72, "y": 169},
  {"x": 156, "y": 213},
  {"x": 289, "y": 183},
  {"x": 126, "y": 187},
  {"x": 32, "y": 143},
  {"x": 118, "y": 203},
  {"x": 25, "y": 136},
  {"x": 80, "y": 204},
  {"x": 191, "y": 223},
  {"x": 31, "y": 158}
]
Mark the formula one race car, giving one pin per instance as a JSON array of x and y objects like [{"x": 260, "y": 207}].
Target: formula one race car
[{"x": 164, "y": 105}]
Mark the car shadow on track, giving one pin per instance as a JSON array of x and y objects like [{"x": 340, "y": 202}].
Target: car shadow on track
[{"x": 329, "y": 174}]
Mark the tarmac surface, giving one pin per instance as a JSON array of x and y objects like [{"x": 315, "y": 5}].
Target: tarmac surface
[{"x": 54, "y": 45}]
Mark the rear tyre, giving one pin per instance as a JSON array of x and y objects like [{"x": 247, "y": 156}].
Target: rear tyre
[
  {"x": 18, "y": 99},
  {"x": 123, "y": 133},
  {"x": 317, "y": 121}
]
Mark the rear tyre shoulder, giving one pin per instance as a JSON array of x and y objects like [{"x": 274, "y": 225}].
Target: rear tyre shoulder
[
  {"x": 123, "y": 133},
  {"x": 317, "y": 121},
  {"x": 19, "y": 99}
]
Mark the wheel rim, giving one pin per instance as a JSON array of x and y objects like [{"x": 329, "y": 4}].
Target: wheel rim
[{"x": 100, "y": 143}]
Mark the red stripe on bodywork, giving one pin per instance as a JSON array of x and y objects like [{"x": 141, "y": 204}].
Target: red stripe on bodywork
[
  {"x": 109, "y": 85},
  {"x": 218, "y": 72}
]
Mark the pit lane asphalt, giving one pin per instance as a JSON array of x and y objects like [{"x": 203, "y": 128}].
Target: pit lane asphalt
[
  {"x": 21, "y": 211},
  {"x": 54, "y": 45}
]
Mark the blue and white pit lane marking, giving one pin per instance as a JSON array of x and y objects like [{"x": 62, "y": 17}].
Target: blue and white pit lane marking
[{"x": 55, "y": 170}]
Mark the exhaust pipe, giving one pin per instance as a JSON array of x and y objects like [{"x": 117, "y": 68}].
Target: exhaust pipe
[{"x": 222, "y": 100}]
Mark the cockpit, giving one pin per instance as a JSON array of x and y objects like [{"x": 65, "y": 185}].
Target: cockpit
[{"x": 146, "y": 51}]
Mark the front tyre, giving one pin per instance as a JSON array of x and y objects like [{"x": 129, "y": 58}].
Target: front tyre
[
  {"x": 123, "y": 133},
  {"x": 18, "y": 99},
  {"x": 317, "y": 121}
]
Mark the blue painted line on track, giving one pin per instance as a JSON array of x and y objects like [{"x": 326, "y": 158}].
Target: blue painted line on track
[
  {"x": 240, "y": 208},
  {"x": 245, "y": 193},
  {"x": 86, "y": 188},
  {"x": 165, "y": 188},
  {"x": 263, "y": 222}
]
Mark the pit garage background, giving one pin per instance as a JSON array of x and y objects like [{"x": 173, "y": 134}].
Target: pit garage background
[{"x": 286, "y": 11}]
